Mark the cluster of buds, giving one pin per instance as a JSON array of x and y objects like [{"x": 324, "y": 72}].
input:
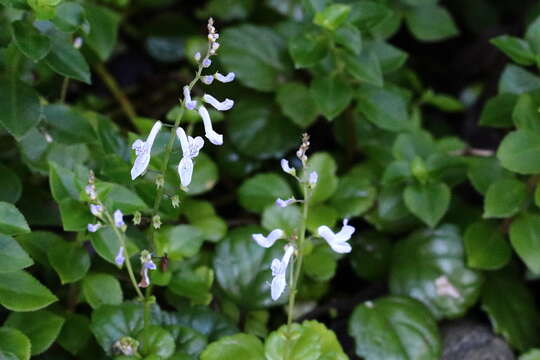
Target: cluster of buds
[
  {"x": 213, "y": 36},
  {"x": 302, "y": 150}
]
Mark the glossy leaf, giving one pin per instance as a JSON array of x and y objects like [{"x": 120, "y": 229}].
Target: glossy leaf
[
  {"x": 239, "y": 346},
  {"x": 262, "y": 190},
  {"x": 12, "y": 222},
  {"x": 431, "y": 23},
  {"x": 486, "y": 247},
  {"x": 332, "y": 95},
  {"x": 20, "y": 291},
  {"x": 428, "y": 202},
  {"x": 504, "y": 198},
  {"x": 15, "y": 343},
  {"x": 99, "y": 289},
  {"x": 519, "y": 152},
  {"x": 30, "y": 41},
  {"x": 12, "y": 256},
  {"x": 20, "y": 110},
  {"x": 525, "y": 237}
]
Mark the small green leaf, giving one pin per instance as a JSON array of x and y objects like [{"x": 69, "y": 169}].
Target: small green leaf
[
  {"x": 485, "y": 171},
  {"x": 486, "y": 247},
  {"x": 20, "y": 110},
  {"x": 120, "y": 197},
  {"x": 297, "y": 104},
  {"x": 238, "y": 347},
  {"x": 256, "y": 193},
  {"x": 504, "y": 198},
  {"x": 525, "y": 114},
  {"x": 320, "y": 264},
  {"x": 179, "y": 241},
  {"x": 321, "y": 215},
  {"x": 516, "y": 80},
  {"x": 325, "y": 166},
  {"x": 42, "y": 328},
  {"x": 75, "y": 215},
  {"x": 10, "y": 185},
  {"x": 517, "y": 49},
  {"x": 19, "y": 291},
  {"x": 70, "y": 17},
  {"x": 364, "y": 67},
  {"x": 66, "y": 60},
  {"x": 75, "y": 333},
  {"x": 12, "y": 222},
  {"x": 431, "y": 23},
  {"x": 103, "y": 29},
  {"x": 525, "y": 238},
  {"x": 195, "y": 284},
  {"x": 497, "y": 112},
  {"x": 429, "y": 202},
  {"x": 30, "y": 41},
  {"x": 205, "y": 175},
  {"x": 394, "y": 327},
  {"x": 350, "y": 38},
  {"x": 15, "y": 343},
  {"x": 68, "y": 126},
  {"x": 354, "y": 195},
  {"x": 520, "y": 152},
  {"x": 368, "y": 14},
  {"x": 308, "y": 48},
  {"x": 70, "y": 260},
  {"x": 12, "y": 256},
  {"x": 155, "y": 340},
  {"x": 532, "y": 35},
  {"x": 332, "y": 94},
  {"x": 287, "y": 219},
  {"x": 99, "y": 289},
  {"x": 333, "y": 16},
  {"x": 385, "y": 108},
  {"x": 390, "y": 57}
]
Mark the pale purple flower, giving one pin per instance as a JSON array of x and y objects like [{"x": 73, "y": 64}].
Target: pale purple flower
[
  {"x": 286, "y": 168},
  {"x": 143, "y": 150},
  {"x": 224, "y": 78},
  {"x": 284, "y": 203},
  {"x": 279, "y": 273},
  {"x": 91, "y": 191},
  {"x": 338, "y": 242},
  {"x": 93, "y": 227},
  {"x": 190, "y": 104},
  {"x": 120, "y": 258},
  {"x": 313, "y": 178},
  {"x": 206, "y": 63},
  {"x": 197, "y": 56},
  {"x": 224, "y": 105},
  {"x": 96, "y": 209},
  {"x": 210, "y": 134},
  {"x": 207, "y": 79},
  {"x": 267, "y": 241},
  {"x": 119, "y": 219}
]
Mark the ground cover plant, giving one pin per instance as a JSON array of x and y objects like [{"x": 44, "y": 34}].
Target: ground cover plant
[{"x": 277, "y": 179}]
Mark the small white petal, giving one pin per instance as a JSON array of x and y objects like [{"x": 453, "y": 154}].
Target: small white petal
[
  {"x": 143, "y": 151},
  {"x": 185, "y": 171},
  {"x": 269, "y": 240},
  {"x": 313, "y": 178},
  {"x": 279, "y": 272},
  {"x": 224, "y": 105},
  {"x": 119, "y": 259},
  {"x": 210, "y": 134},
  {"x": 224, "y": 78},
  {"x": 338, "y": 242},
  {"x": 197, "y": 56},
  {"x": 190, "y": 104},
  {"x": 93, "y": 227},
  {"x": 96, "y": 209},
  {"x": 284, "y": 203},
  {"x": 277, "y": 287},
  {"x": 119, "y": 219},
  {"x": 184, "y": 143}
]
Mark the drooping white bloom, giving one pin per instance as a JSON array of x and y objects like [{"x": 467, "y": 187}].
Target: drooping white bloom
[
  {"x": 267, "y": 241},
  {"x": 224, "y": 105},
  {"x": 190, "y": 104},
  {"x": 286, "y": 168},
  {"x": 279, "y": 273},
  {"x": 224, "y": 78},
  {"x": 210, "y": 134},
  {"x": 207, "y": 79},
  {"x": 120, "y": 258},
  {"x": 190, "y": 149},
  {"x": 206, "y": 63},
  {"x": 96, "y": 209},
  {"x": 143, "y": 150},
  {"x": 93, "y": 227},
  {"x": 119, "y": 219},
  {"x": 313, "y": 178},
  {"x": 197, "y": 56},
  {"x": 284, "y": 203},
  {"x": 338, "y": 242}
]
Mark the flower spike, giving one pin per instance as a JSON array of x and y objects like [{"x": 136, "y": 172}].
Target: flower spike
[
  {"x": 143, "y": 150},
  {"x": 269, "y": 240},
  {"x": 210, "y": 134},
  {"x": 338, "y": 242},
  {"x": 224, "y": 105}
]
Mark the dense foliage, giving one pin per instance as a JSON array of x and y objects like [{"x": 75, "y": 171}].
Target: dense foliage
[{"x": 130, "y": 228}]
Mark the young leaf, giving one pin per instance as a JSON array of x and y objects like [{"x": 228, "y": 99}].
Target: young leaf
[
  {"x": 429, "y": 202},
  {"x": 504, "y": 198},
  {"x": 333, "y": 16},
  {"x": 486, "y": 247},
  {"x": 332, "y": 94}
]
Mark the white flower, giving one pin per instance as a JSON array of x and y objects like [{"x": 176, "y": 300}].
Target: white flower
[
  {"x": 190, "y": 104},
  {"x": 190, "y": 149},
  {"x": 338, "y": 242},
  {"x": 286, "y": 168},
  {"x": 206, "y": 63},
  {"x": 143, "y": 150},
  {"x": 207, "y": 79},
  {"x": 96, "y": 209},
  {"x": 210, "y": 134},
  {"x": 284, "y": 203},
  {"x": 313, "y": 178},
  {"x": 279, "y": 272},
  {"x": 119, "y": 219},
  {"x": 197, "y": 56},
  {"x": 224, "y": 105},
  {"x": 269, "y": 240},
  {"x": 93, "y": 227},
  {"x": 224, "y": 78},
  {"x": 119, "y": 259}
]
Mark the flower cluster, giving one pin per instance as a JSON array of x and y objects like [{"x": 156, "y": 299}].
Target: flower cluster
[{"x": 337, "y": 241}]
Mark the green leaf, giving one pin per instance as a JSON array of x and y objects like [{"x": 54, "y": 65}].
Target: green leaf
[
  {"x": 106, "y": 244},
  {"x": 179, "y": 241},
  {"x": 100, "y": 289},
  {"x": 333, "y": 16},
  {"x": 155, "y": 340},
  {"x": 205, "y": 175},
  {"x": 321, "y": 215},
  {"x": 103, "y": 29},
  {"x": 320, "y": 264},
  {"x": 287, "y": 219},
  {"x": 70, "y": 260},
  {"x": 12, "y": 222},
  {"x": 504, "y": 198},
  {"x": 517, "y": 49},
  {"x": 42, "y": 328},
  {"x": 12, "y": 256},
  {"x": 515, "y": 317},
  {"x": 258, "y": 192},
  {"x": 195, "y": 284},
  {"x": 431, "y": 23},
  {"x": 19, "y": 291},
  {"x": 10, "y": 185},
  {"x": 486, "y": 247},
  {"x": 368, "y": 14},
  {"x": 429, "y": 202},
  {"x": 497, "y": 112},
  {"x": 297, "y": 104},
  {"x": 66, "y": 60},
  {"x": 364, "y": 67},
  {"x": 525, "y": 114},
  {"x": 68, "y": 126},
  {"x": 429, "y": 266},
  {"x": 385, "y": 108},
  {"x": 516, "y": 80},
  {"x": 520, "y": 152},
  {"x": 242, "y": 269},
  {"x": 37, "y": 244},
  {"x": 120, "y": 197},
  {"x": 350, "y": 38},
  {"x": 533, "y": 354},
  {"x": 29, "y": 40},
  {"x": 75, "y": 333},
  {"x": 354, "y": 195},
  {"x": 525, "y": 238},
  {"x": 390, "y": 57},
  {"x": 394, "y": 327},
  {"x": 70, "y": 17},
  {"x": 308, "y": 48},
  {"x": 75, "y": 215},
  {"x": 239, "y": 347},
  {"x": 370, "y": 257},
  {"x": 532, "y": 35},
  {"x": 64, "y": 183},
  {"x": 325, "y": 166},
  {"x": 332, "y": 94},
  {"x": 20, "y": 110},
  {"x": 485, "y": 171},
  {"x": 14, "y": 342},
  {"x": 258, "y": 65}
]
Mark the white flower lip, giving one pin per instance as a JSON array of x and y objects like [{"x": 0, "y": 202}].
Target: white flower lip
[
  {"x": 287, "y": 168},
  {"x": 93, "y": 227},
  {"x": 119, "y": 219},
  {"x": 279, "y": 273},
  {"x": 268, "y": 241},
  {"x": 224, "y": 105},
  {"x": 143, "y": 150},
  {"x": 210, "y": 134},
  {"x": 338, "y": 242},
  {"x": 225, "y": 78},
  {"x": 185, "y": 171},
  {"x": 190, "y": 149}
]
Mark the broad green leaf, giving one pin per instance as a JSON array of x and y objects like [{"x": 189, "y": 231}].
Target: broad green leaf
[
  {"x": 205, "y": 175},
  {"x": 371, "y": 254},
  {"x": 515, "y": 317},
  {"x": 179, "y": 241},
  {"x": 394, "y": 327},
  {"x": 497, "y": 112},
  {"x": 19, "y": 291},
  {"x": 333, "y": 16},
  {"x": 103, "y": 29},
  {"x": 75, "y": 215},
  {"x": 308, "y": 48},
  {"x": 504, "y": 198},
  {"x": 155, "y": 340},
  {"x": 70, "y": 17},
  {"x": 189, "y": 342},
  {"x": 106, "y": 244},
  {"x": 354, "y": 195},
  {"x": 238, "y": 347},
  {"x": 12, "y": 256},
  {"x": 525, "y": 238},
  {"x": 385, "y": 108},
  {"x": 120, "y": 197},
  {"x": 258, "y": 65},
  {"x": 10, "y": 185},
  {"x": 485, "y": 171},
  {"x": 66, "y": 60},
  {"x": 390, "y": 57},
  {"x": 321, "y": 215},
  {"x": 242, "y": 269},
  {"x": 429, "y": 266},
  {"x": 486, "y": 247},
  {"x": 297, "y": 104},
  {"x": 29, "y": 40},
  {"x": 20, "y": 110},
  {"x": 517, "y": 49},
  {"x": 526, "y": 115},
  {"x": 100, "y": 289},
  {"x": 258, "y": 192},
  {"x": 350, "y": 38},
  {"x": 431, "y": 23},
  {"x": 75, "y": 333},
  {"x": 367, "y": 14},
  {"x": 68, "y": 126},
  {"x": 15, "y": 343},
  {"x": 65, "y": 183},
  {"x": 516, "y": 80},
  {"x": 12, "y": 222},
  {"x": 287, "y": 219},
  {"x": 417, "y": 144},
  {"x": 520, "y": 152},
  {"x": 195, "y": 284},
  {"x": 325, "y": 166},
  {"x": 429, "y": 202},
  {"x": 364, "y": 67},
  {"x": 332, "y": 94},
  {"x": 320, "y": 264},
  {"x": 70, "y": 260},
  {"x": 37, "y": 244},
  {"x": 42, "y": 328}
]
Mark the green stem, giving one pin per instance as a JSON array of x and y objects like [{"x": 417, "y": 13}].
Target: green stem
[{"x": 63, "y": 92}]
